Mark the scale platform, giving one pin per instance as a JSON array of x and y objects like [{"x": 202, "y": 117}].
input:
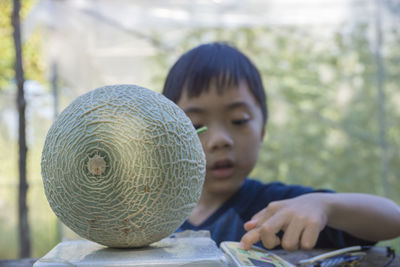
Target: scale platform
[{"x": 188, "y": 248}]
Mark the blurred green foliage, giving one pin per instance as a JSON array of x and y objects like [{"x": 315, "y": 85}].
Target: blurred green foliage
[
  {"x": 32, "y": 63},
  {"x": 323, "y": 127}
]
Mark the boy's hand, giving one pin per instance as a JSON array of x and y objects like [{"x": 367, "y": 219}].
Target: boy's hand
[{"x": 301, "y": 219}]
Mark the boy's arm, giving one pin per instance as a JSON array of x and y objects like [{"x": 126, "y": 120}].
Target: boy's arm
[
  {"x": 366, "y": 216},
  {"x": 302, "y": 218}
]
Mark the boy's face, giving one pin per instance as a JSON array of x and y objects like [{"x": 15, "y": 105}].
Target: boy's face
[{"x": 234, "y": 136}]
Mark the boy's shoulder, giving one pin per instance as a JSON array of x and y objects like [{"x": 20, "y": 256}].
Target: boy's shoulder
[
  {"x": 278, "y": 189},
  {"x": 254, "y": 191}
]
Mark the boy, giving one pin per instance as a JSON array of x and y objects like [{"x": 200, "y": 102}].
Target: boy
[{"x": 219, "y": 87}]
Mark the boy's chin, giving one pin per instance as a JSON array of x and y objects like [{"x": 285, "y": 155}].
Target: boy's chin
[{"x": 222, "y": 186}]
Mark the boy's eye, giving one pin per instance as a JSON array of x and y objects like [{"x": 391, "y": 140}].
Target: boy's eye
[{"x": 240, "y": 121}]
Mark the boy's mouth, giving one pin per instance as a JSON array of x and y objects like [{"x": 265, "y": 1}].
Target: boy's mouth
[{"x": 222, "y": 168}]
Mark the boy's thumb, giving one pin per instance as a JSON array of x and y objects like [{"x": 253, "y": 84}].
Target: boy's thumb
[{"x": 250, "y": 225}]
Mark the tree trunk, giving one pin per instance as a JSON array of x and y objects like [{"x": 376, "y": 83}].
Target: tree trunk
[
  {"x": 24, "y": 236},
  {"x": 380, "y": 81}
]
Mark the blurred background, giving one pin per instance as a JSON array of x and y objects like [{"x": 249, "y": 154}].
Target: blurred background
[{"x": 331, "y": 69}]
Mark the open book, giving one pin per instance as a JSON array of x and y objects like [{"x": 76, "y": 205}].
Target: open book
[{"x": 254, "y": 257}]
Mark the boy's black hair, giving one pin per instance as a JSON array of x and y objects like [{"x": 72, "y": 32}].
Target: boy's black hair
[{"x": 217, "y": 62}]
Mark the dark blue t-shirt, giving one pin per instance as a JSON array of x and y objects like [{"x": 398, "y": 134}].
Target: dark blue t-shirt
[{"x": 226, "y": 223}]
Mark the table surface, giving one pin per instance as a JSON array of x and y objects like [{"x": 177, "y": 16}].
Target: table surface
[{"x": 376, "y": 257}]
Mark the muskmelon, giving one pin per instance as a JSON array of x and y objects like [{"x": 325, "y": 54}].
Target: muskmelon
[{"x": 122, "y": 166}]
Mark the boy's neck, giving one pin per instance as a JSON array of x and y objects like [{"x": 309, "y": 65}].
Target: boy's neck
[{"x": 207, "y": 205}]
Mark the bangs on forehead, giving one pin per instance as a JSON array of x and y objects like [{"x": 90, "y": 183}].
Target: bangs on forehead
[{"x": 198, "y": 84}]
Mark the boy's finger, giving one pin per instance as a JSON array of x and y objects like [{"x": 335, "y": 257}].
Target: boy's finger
[
  {"x": 269, "y": 230},
  {"x": 262, "y": 215},
  {"x": 292, "y": 235},
  {"x": 270, "y": 241},
  {"x": 309, "y": 237},
  {"x": 250, "y": 238},
  {"x": 250, "y": 225},
  {"x": 258, "y": 219}
]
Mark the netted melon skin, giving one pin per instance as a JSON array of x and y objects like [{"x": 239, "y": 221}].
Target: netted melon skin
[{"x": 122, "y": 166}]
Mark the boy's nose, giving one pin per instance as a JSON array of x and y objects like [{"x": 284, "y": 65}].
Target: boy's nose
[{"x": 218, "y": 138}]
